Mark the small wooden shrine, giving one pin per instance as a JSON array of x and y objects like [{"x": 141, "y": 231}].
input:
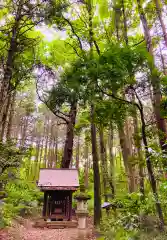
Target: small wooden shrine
[{"x": 58, "y": 186}]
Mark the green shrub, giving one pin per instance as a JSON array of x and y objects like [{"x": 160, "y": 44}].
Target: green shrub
[
  {"x": 22, "y": 198},
  {"x": 133, "y": 215}
]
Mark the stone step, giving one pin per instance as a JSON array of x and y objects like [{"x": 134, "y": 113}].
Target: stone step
[
  {"x": 62, "y": 224},
  {"x": 56, "y": 224}
]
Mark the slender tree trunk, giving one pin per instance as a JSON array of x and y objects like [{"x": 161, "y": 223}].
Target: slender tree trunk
[
  {"x": 41, "y": 151},
  {"x": 162, "y": 60},
  {"x": 5, "y": 116},
  {"x": 50, "y": 153},
  {"x": 77, "y": 152},
  {"x": 135, "y": 120},
  {"x": 56, "y": 146},
  {"x": 97, "y": 194},
  {"x": 5, "y": 87},
  {"x": 139, "y": 150},
  {"x": 37, "y": 157},
  {"x": 155, "y": 81},
  {"x": 10, "y": 119},
  {"x": 126, "y": 154},
  {"x": 30, "y": 170},
  {"x": 103, "y": 164},
  {"x": 86, "y": 165},
  {"x": 160, "y": 17},
  {"x": 50, "y": 145},
  {"x": 24, "y": 131},
  {"x": 46, "y": 151},
  {"x": 86, "y": 174},
  {"x": 68, "y": 148},
  {"x": 150, "y": 168},
  {"x": 111, "y": 159},
  {"x": 96, "y": 172},
  {"x": 125, "y": 23}
]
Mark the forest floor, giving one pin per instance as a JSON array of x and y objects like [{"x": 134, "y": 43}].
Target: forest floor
[{"x": 26, "y": 231}]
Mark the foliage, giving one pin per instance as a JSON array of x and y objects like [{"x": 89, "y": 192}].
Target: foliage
[
  {"x": 82, "y": 196},
  {"x": 10, "y": 160},
  {"x": 22, "y": 198},
  {"x": 133, "y": 217}
]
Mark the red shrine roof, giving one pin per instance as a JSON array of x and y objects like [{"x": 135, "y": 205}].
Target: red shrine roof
[{"x": 58, "y": 179}]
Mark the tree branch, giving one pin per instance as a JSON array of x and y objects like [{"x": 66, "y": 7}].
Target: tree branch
[
  {"x": 46, "y": 103},
  {"x": 73, "y": 31},
  {"x": 119, "y": 99},
  {"x": 97, "y": 47}
]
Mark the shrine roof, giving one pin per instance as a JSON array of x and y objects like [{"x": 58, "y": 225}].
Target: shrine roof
[{"x": 58, "y": 179}]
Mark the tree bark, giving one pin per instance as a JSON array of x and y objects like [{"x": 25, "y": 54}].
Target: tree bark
[
  {"x": 24, "y": 131},
  {"x": 125, "y": 23},
  {"x": 46, "y": 143},
  {"x": 37, "y": 158},
  {"x": 56, "y": 146},
  {"x": 160, "y": 17},
  {"x": 10, "y": 119},
  {"x": 86, "y": 166},
  {"x": 103, "y": 163},
  {"x": 68, "y": 148},
  {"x": 5, "y": 116},
  {"x": 135, "y": 119},
  {"x": 126, "y": 154},
  {"x": 150, "y": 168},
  {"x": 77, "y": 152},
  {"x": 155, "y": 81},
  {"x": 111, "y": 159},
  {"x": 138, "y": 149},
  {"x": 97, "y": 194},
  {"x": 6, "y": 86}
]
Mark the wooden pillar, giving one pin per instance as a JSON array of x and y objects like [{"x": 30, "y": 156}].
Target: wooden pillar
[
  {"x": 52, "y": 203},
  {"x": 70, "y": 205},
  {"x": 66, "y": 207},
  {"x": 47, "y": 205},
  {"x": 44, "y": 205}
]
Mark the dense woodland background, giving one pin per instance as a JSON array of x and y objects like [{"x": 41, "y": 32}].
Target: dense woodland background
[{"x": 92, "y": 96}]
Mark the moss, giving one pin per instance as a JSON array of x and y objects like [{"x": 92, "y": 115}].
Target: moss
[{"x": 82, "y": 196}]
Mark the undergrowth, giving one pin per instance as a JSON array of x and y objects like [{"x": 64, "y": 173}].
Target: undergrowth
[{"x": 22, "y": 198}]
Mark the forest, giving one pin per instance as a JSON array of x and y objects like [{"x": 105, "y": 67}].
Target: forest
[{"x": 83, "y": 84}]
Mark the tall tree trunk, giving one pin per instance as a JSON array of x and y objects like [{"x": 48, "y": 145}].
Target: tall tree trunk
[
  {"x": 46, "y": 151},
  {"x": 162, "y": 60},
  {"x": 97, "y": 194},
  {"x": 96, "y": 172},
  {"x": 160, "y": 17},
  {"x": 77, "y": 152},
  {"x": 41, "y": 150},
  {"x": 6, "y": 86},
  {"x": 24, "y": 131},
  {"x": 103, "y": 163},
  {"x": 86, "y": 165},
  {"x": 56, "y": 146},
  {"x": 68, "y": 148},
  {"x": 149, "y": 166},
  {"x": 5, "y": 116},
  {"x": 126, "y": 154},
  {"x": 50, "y": 153},
  {"x": 10, "y": 119},
  {"x": 37, "y": 157},
  {"x": 125, "y": 23},
  {"x": 155, "y": 81},
  {"x": 135, "y": 120},
  {"x": 111, "y": 159},
  {"x": 138, "y": 149}
]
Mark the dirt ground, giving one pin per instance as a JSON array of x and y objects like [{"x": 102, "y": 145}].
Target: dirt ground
[{"x": 26, "y": 231}]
